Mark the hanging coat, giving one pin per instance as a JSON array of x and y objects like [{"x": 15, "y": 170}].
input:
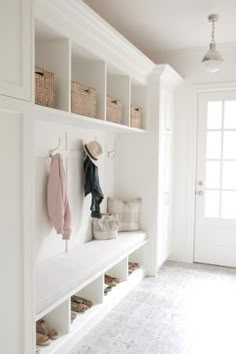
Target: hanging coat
[
  {"x": 91, "y": 185},
  {"x": 57, "y": 200}
]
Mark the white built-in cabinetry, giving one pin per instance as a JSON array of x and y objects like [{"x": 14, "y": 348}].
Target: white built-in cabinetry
[
  {"x": 72, "y": 41},
  {"x": 15, "y": 47},
  {"x": 16, "y": 177}
]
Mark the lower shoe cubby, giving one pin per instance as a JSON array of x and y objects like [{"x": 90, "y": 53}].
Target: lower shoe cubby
[
  {"x": 51, "y": 329},
  {"x": 114, "y": 277},
  {"x": 136, "y": 262},
  {"x": 86, "y": 302}
]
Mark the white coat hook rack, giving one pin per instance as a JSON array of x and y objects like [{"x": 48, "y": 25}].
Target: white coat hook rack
[{"x": 51, "y": 151}]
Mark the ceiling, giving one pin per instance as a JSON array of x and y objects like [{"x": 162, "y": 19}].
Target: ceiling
[{"x": 155, "y": 26}]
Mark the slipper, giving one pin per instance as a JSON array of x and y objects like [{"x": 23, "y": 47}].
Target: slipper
[
  {"x": 42, "y": 340},
  {"x": 42, "y": 328}
]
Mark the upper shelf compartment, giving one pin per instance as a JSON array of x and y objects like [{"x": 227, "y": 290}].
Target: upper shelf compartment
[
  {"x": 52, "y": 53},
  {"x": 138, "y": 113},
  {"x": 90, "y": 73},
  {"x": 118, "y": 93}
]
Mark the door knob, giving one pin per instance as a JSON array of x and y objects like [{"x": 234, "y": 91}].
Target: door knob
[{"x": 200, "y": 193}]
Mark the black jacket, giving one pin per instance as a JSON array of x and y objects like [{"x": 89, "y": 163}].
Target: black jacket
[{"x": 91, "y": 185}]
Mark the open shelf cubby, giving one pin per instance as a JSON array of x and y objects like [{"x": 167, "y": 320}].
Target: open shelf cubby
[
  {"x": 52, "y": 53},
  {"x": 139, "y": 100},
  {"x": 92, "y": 292},
  {"x": 58, "y": 319},
  {"x": 118, "y": 87},
  {"x": 90, "y": 71}
]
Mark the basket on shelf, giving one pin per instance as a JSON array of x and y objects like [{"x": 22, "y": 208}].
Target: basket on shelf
[
  {"x": 83, "y": 100},
  {"x": 45, "y": 87},
  {"x": 136, "y": 117},
  {"x": 114, "y": 110}
]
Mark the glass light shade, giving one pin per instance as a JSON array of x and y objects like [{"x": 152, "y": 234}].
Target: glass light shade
[{"x": 212, "y": 60}]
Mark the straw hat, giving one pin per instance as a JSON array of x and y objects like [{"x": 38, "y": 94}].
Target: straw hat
[{"x": 94, "y": 150}]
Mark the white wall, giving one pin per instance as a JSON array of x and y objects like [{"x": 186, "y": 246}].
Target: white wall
[
  {"x": 47, "y": 242},
  {"x": 188, "y": 64}
]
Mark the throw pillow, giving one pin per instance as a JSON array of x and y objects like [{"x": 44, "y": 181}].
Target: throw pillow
[{"x": 127, "y": 211}]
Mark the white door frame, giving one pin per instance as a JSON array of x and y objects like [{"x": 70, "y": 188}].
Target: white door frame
[{"x": 191, "y": 200}]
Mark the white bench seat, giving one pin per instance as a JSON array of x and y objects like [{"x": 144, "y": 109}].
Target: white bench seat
[{"x": 57, "y": 277}]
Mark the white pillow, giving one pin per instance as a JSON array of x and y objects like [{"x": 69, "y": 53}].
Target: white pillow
[
  {"x": 105, "y": 228},
  {"x": 127, "y": 211}
]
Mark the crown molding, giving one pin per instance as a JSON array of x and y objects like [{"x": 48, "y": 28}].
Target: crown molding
[
  {"x": 75, "y": 20},
  {"x": 215, "y": 86}
]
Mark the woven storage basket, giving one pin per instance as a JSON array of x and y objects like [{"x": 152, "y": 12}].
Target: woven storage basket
[
  {"x": 136, "y": 117},
  {"x": 114, "y": 110},
  {"x": 83, "y": 101},
  {"x": 45, "y": 87}
]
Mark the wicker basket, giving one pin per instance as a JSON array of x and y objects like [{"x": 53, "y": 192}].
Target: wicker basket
[
  {"x": 83, "y": 101},
  {"x": 136, "y": 117},
  {"x": 114, "y": 110},
  {"x": 45, "y": 88}
]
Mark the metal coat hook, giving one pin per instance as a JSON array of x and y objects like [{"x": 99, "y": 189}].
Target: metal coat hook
[
  {"x": 54, "y": 149},
  {"x": 111, "y": 154}
]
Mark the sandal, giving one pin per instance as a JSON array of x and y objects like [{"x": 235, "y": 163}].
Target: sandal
[
  {"x": 110, "y": 281},
  {"x": 42, "y": 340},
  {"x": 78, "y": 307},
  {"x": 73, "y": 316},
  {"x": 42, "y": 328},
  {"x": 81, "y": 300}
]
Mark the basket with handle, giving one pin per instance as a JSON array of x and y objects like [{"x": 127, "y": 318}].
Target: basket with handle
[
  {"x": 136, "y": 117},
  {"x": 45, "y": 87},
  {"x": 83, "y": 100},
  {"x": 114, "y": 110}
]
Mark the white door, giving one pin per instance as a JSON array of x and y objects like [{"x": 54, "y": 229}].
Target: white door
[
  {"x": 215, "y": 223},
  {"x": 15, "y": 48}
]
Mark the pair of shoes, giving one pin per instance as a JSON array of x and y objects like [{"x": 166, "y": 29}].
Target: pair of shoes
[
  {"x": 107, "y": 289},
  {"x": 73, "y": 315},
  {"x": 133, "y": 266},
  {"x": 42, "y": 340},
  {"x": 78, "y": 307},
  {"x": 111, "y": 281},
  {"x": 44, "y": 333},
  {"x": 81, "y": 300}
]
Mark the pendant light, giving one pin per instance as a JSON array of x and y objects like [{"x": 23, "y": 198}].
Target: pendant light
[{"x": 212, "y": 60}]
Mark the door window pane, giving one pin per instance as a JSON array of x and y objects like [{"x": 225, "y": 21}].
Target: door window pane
[
  {"x": 214, "y": 145},
  {"x": 229, "y": 149},
  {"x": 214, "y": 115},
  {"x": 212, "y": 174},
  {"x": 212, "y": 204},
  {"x": 230, "y": 115},
  {"x": 228, "y": 205},
  {"x": 229, "y": 175}
]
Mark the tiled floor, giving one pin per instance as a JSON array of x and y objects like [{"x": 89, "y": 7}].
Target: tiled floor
[{"x": 187, "y": 309}]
